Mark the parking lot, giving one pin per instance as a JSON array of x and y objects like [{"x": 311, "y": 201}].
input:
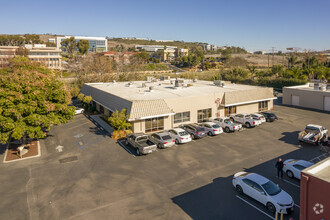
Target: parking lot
[{"x": 94, "y": 177}]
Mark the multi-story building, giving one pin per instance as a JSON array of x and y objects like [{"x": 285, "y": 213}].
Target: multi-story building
[
  {"x": 96, "y": 44},
  {"x": 160, "y": 105},
  {"x": 153, "y": 48},
  {"x": 180, "y": 52},
  {"x": 50, "y": 56}
]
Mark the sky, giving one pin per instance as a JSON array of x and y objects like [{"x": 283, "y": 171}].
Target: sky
[{"x": 252, "y": 24}]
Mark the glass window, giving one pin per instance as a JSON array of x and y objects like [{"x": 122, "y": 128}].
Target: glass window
[
  {"x": 204, "y": 114},
  {"x": 154, "y": 124},
  {"x": 230, "y": 110},
  {"x": 263, "y": 106},
  {"x": 181, "y": 117},
  {"x": 271, "y": 188},
  {"x": 299, "y": 167}
]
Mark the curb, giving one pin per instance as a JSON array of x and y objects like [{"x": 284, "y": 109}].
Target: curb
[{"x": 38, "y": 155}]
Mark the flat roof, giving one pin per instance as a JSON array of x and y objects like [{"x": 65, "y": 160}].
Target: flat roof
[
  {"x": 320, "y": 170},
  {"x": 308, "y": 87},
  {"x": 166, "y": 90}
]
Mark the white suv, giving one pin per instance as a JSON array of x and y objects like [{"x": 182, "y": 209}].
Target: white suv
[{"x": 246, "y": 119}]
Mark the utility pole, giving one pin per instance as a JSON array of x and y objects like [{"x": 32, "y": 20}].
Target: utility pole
[
  {"x": 273, "y": 56},
  {"x": 268, "y": 60}
]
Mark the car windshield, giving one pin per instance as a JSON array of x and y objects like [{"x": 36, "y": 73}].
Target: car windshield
[
  {"x": 166, "y": 137},
  {"x": 142, "y": 138},
  {"x": 312, "y": 130},
  {"x": 248, "y": 116},
  {"x": 271, "y": 188},
  {"x": 200, "y": 129},
  {"x": 227, "y": 121},
  {"x": 183, "y": 133},
  {"x": 216, "y": 126}
]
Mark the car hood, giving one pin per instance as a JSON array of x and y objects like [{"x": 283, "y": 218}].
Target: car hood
[{"x": 283, "y": 198}]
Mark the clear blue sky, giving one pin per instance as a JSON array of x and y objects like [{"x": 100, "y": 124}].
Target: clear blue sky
[{"x": 253, "y": 24}]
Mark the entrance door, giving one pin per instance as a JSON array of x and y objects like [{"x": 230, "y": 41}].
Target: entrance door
[
  {"x": 295, "y": 100},
  {"x": 326, "y": 103}
]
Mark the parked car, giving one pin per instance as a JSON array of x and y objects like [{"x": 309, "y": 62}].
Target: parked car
[
  {"x": 270, "y": 117},
  {"x": 162, "y": 139},
  {"x": 227, "y": 124},
  {"x": 195, "y": 131},
  {"x": 79, "y": 111},
  {"x": 313, "y": 134},
  {"x": 212, "y": 128},
  {"x": 258, "y": 116},
  {"x": 264, "y": 191},
  {"x": 245, "y": 119},
  {"x": 181, "y": 136},
  {"x": 141, "y": 143},
  {"x": 292, "y": 168}
]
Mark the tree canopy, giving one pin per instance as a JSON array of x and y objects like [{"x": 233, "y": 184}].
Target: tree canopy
[
  {"x": 31, "y": 100},
  {"x": 69, "y": 45},
  {"x": 83, "y": 46}
]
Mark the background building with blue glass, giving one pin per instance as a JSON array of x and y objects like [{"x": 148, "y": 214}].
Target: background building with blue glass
[{"x": 96, "y": 44}]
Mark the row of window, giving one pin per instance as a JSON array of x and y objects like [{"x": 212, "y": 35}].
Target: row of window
[{"x": 44, "y": 54}]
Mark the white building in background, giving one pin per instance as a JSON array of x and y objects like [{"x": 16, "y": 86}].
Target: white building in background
[
  {"x": 153, "y": 48},
  {"x": 96, "y": 44}
]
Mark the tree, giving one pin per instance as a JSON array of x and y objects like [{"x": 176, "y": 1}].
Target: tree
[
  {"x": 69, "y": 45},
  {"x": 31, "y": 100},
  {"x": 32, "y": 39},
  {"x": 11, "y": 40},
  {"x": 83, "y": 46},
  {"x": 118, "y": 120},
  {"x": 22, "y": 51},
  {"x": 50, "y": 44}
]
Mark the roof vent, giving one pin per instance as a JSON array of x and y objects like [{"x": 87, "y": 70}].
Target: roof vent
[
  {"x": 114, "y": 82},
  {"x": 130, "y": 84},
  {"x": 151, "y": 88}
]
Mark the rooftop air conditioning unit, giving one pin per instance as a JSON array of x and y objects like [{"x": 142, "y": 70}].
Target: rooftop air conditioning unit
[
  {"x": 176, "y": 83},
  {"x": 217, "y": 82},
  {"x": 151, "y": 88},
  {"x": 323, "y": 87},
  {"x": 144, "y": 85},
  {"x": 316, "y": 86}
]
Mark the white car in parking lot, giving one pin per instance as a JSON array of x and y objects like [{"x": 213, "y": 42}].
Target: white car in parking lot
[
  {"x": 212, "y": 128},
  {"x": 245, "y": 119},
  {"x": 181, "y": 136},
  {"x": 264, "y": 191},
  {"x": 293, "y": 168},
  {"x": 79, "y": 111},
  {"x": 259, "y": 117},
  {"x": 227, "y": 124}
]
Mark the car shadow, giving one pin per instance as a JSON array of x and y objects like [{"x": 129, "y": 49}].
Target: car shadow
[
  {"x": 290, "y": 137},
  {"x": 219, "y": 199}
]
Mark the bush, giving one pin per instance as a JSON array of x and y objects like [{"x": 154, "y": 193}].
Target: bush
[{"x": 118, "y": 134}]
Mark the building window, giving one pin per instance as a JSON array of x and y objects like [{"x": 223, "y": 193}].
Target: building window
[
  {"x": 204, "y": 114},
  {"x": 230, "y": 110},
  {"x": 154, "y": 124},
  {"x": 263, "y": 106},
  {"x": 181, "y": 117}
]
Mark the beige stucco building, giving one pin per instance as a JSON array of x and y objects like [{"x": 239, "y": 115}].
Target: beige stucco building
[
  {"x": 311, "y": 95},
  {"x": 50, "y": 56},
  {"x": 161, "y": 105}
]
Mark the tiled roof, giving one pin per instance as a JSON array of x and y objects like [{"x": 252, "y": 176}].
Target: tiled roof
[{"x": 247, "y": 96}]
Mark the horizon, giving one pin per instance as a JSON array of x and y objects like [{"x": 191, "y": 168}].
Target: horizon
[{"x": 254, "y": 26}]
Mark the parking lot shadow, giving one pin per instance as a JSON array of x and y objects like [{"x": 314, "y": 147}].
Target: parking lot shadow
[
  {"x": 131, "y": 150},
  {"x": 3, "y": 148},
  {"x": 98, "y": 131},
  {"x": 290, "y": 137},
  {"x": 219, "y": 199}
]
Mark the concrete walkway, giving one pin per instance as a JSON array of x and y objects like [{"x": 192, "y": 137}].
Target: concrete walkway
[{"x": 98, "y": 121}]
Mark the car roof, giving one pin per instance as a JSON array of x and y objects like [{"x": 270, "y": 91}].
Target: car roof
[
  {"x": 304, "y": 163},
  {"x": 257, "y": 178},
  {"x": 257, "y": 114},
  {"x": 178, "y": 129},
  {"x": 163, "y": 133},
  {"x": 312, "y": 125},
  {"x": 209, "y": 123}
]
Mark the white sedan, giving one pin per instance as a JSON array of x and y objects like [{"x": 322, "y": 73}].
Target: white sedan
[
  {"x": 181, "y": 136},
  {"x": 212, "y": 128},
  {"x": 264, "y": 191},
  {"x": 79, "y": 111},
  {"x": 292, "y": 168}
]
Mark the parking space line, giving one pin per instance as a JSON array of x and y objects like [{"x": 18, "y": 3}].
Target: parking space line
[
  {"x": 291, "y": 183},
  {"x": 297, "y": 205},
  {"x": 121, "y": 144},
  {"x": 318, "y": 158},
  {"x": 255, "y": 207}
]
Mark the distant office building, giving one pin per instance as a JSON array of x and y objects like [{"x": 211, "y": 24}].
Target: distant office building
[
  {"x": 164, "y": 40},
  {"x": 96, "y": 44},
  {"x": 50, "y": 56},
  {"x": 214, "y": 47},
  {"x": 206, "y": 47},
  {"x": 181, "y": 52},
  {"x": 153, "y": 48}
]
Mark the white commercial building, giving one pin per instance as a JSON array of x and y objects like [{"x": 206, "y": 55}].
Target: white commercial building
[
  {"x": 96, "y": 44},
  {"x": 159, "y": 105}
]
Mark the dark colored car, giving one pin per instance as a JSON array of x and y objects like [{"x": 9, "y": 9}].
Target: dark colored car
[
  {"x": 196, "y": 131},
  {"x": 270, "y": 117}
]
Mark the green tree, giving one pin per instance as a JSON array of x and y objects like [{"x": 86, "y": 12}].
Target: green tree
[
  {"x": 118, "y": 120},
  {"x": 83, "y": 46},
  {"x": 69, "y": 45},
  {"x": 32, "y": 39},
  {"x": 50, "y": 44},
  {"x": 22, "y": 51},
  {"x": 31, "y": 100}
]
